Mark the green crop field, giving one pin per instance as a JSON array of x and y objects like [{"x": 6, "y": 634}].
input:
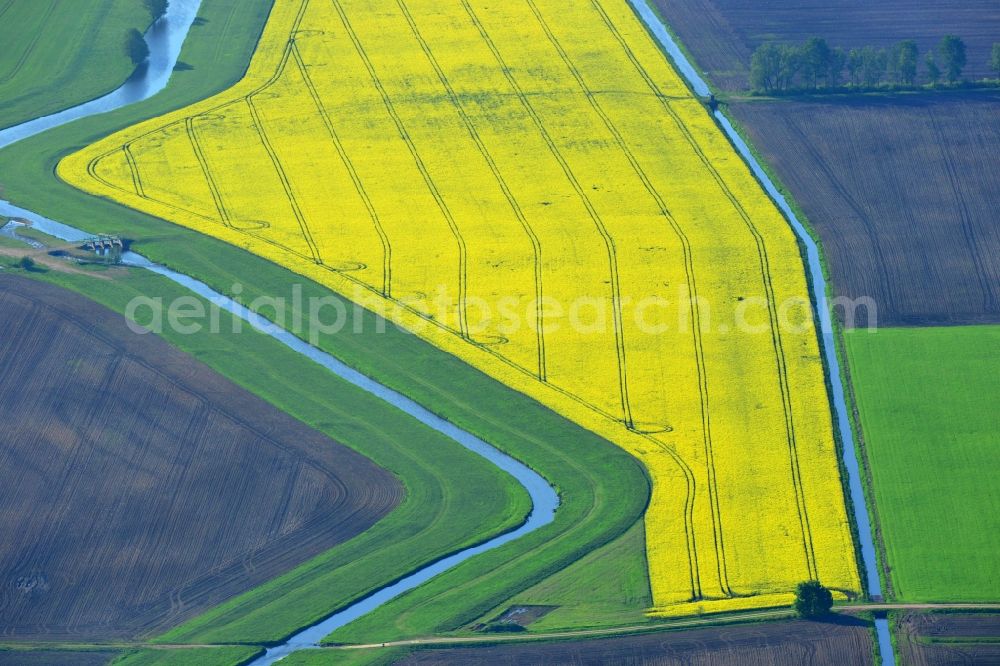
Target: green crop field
[
  {"x": 75, "y": 52},
  {"x": 603, "y": 490},
  {"x": 221, "y": 656},
  {"x": 928, "y": 403},
  {"x": 609, "y": 587}
]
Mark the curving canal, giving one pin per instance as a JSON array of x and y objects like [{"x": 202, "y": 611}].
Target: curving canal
[{"x": 165, "y": 38}]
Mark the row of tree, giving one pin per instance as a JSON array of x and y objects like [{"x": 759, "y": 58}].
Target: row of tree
[{"x": 815, "y": 64}]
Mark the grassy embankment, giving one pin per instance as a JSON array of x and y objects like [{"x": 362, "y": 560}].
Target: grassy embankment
[
  {"x": 927, "y": 398},
  {"x": 220, "y": 656},
  {"x": 59, "y": 54},
  {"x": 603, "y": 490}
]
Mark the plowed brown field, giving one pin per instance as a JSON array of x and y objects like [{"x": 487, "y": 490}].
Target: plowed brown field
[
  {"x": 935, "y": 639},
  {"x": 138, "y": 487},
  {"x": 903, "y": 193},
  {"x": 901, "y": 188},
  {"x": 813, "y": 643}
]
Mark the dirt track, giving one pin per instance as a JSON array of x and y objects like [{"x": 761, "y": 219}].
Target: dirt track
[{"x": 138, "y": 487}]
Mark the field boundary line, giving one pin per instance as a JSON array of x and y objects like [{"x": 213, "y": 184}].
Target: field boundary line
[
  {"x": 719, "y": 620},
  {"x": 722, "y": 619}
]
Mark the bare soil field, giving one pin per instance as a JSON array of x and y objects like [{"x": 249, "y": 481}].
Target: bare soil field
[
  {"x": 936, "y": 639},
  {"x": 903, "y": 193},
  {"x": 847, "y": 641},
  {"x": 722, "y": 34},
  {"x": 53, "y": 658},
  {"x": 900, "y": 189},
  {"x": 138, "y": 487}
]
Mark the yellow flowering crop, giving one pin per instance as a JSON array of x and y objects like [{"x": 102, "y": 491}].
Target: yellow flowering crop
[{"x": 530, "y": 186}]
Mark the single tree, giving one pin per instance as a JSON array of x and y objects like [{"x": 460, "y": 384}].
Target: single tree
[
  {"x": 812, "y": 600},
  {"x": 873, "y": 63},
  {"x": 838, "y": 58},
  {"x": 135, "y": 47},
  {"x": 157, "y": 8},
  {"x": 27, "y": 263},
  {"x": 933, "y": 71},
  {"x": 995, "y": 59},
  {"x": 854, "y": 62},
  {"x": 815, "y": 61},
  {"x": 764, "y": 67},
  {"x": 952, "y": 52},
  {"x": 904, "y": 59},
  {"x": 791, "y": 63}
]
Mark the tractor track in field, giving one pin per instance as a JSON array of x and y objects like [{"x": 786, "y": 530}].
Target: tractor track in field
[
  {"x": 258, "y": 125},
  {"x": 694, "y": 308},
  {"x": 627, "y": 418},
  {"x": 591, "y": 211},
  {"x": 351, "y": 170},
  {"x": 768, "y": 286},
  {"x": 421, "y": 167},
  {"x": 498, "y": 176}
]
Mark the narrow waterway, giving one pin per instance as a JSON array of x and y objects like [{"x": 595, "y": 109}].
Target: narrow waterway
[
  {"x": 165, "y": 39},
  {"x": 819, "y": 293}
]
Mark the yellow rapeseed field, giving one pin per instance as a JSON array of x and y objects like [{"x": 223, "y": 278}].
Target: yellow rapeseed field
[{"x": 530, "y": 186}]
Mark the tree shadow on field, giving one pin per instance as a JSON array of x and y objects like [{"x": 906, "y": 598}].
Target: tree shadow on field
[{"x": 841, "y": 620}]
